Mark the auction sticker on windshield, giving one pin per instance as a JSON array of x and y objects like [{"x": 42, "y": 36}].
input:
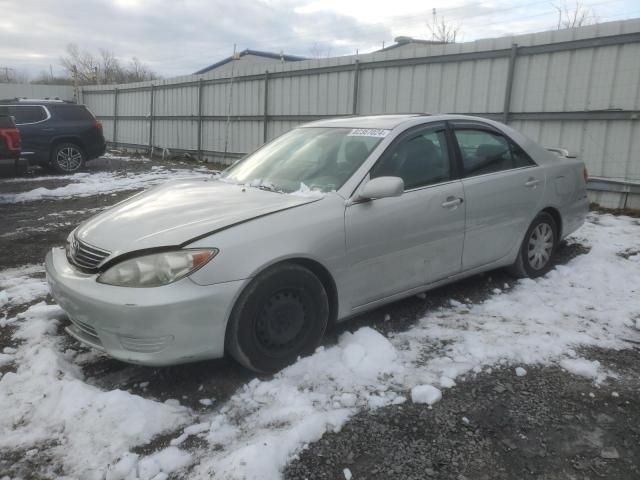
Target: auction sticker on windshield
[{"x": 368, "y": 132}]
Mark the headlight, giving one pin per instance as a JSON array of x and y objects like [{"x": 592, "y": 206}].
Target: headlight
[{"x": 156, "y": 269}]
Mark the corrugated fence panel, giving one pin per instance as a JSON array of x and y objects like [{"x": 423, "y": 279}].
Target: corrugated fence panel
[
  {"x": 101, "y": 104},
  {"x": 176, "y": 101},
  {"x": 134, "y": 103},
  {"x": 133, "y": 131},
  {"x": 180, "y": 134}
]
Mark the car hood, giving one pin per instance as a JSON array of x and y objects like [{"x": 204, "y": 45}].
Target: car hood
[{"x": 180, "y": 211}]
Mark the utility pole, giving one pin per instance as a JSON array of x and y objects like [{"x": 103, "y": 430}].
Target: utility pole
[
  {"x": 433, "y": 31},
  {"x": 75, "y": 83}
]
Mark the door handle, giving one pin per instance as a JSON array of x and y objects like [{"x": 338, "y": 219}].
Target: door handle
[
  {"x": 452, "y": 202},
  {"x": 532, "y": 183}
]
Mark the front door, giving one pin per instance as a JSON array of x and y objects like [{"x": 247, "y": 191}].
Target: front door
[{"x": 396, "y": 244}]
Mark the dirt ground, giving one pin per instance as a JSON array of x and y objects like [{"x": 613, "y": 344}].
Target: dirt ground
[{"x": 545, "y": 425}]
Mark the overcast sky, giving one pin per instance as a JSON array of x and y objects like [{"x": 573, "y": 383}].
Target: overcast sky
[{"x": 177, "y": 37}]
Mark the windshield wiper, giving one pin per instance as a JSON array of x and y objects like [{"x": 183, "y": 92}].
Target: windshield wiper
[{"x": 268, "y": 188}]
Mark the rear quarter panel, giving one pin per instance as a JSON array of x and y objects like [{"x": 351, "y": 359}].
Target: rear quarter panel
[{"x": 566, "y": 192}]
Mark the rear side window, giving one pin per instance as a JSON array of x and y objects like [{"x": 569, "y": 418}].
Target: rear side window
[
  {"x": 27, "y": 113},
  {"x": 488, "y": 152},
  {"x": 73, "y": 113}
]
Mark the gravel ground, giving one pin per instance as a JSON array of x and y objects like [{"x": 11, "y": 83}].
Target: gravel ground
[{"x": 545, "y": 425}]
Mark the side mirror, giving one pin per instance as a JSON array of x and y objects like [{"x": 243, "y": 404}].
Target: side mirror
[{"x": 381, "y": 187}]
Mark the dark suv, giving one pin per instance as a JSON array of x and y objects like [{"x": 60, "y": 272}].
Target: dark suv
[{"x": 56, "y": 133}]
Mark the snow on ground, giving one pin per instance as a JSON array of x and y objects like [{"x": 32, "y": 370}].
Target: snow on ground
[
  {"x": 24, "y": 232},
  {"x": 46, "y": 400},
  {"x": 86, "y": 184},
  {"x": 592, "y": 301},
  {"x": 18, "y": 286}
]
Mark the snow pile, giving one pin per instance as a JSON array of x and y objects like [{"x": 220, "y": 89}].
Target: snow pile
[
  {"x": 425, "y": 394},
  {"x": 124, "y": 158},
  {"x": 520, "y": 372},
  {"x": 581, "y": 367},
  {"x": 592, "y": 301},
  {"x": 17, "y": 285},
  {"x": 46, "y": 400},
  {"x": 157, "y": 466},
  {"x": 86, "y": 184}
]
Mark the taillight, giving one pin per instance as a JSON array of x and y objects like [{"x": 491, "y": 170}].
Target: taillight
[
  {"x": 12, "y": 138},
  {"x": 98, "y": 125},
  {"x": 585, "y": 173}
]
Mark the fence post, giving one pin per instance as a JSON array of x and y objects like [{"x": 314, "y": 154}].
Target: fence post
[
  {"x": 265, "y": 118},
  {"x": 151, "y": 122},
  {"x": 509, "y": 86},
  {"x": 200, "y": 119},
  {"x": 115, "y": 116},
  {"x": 356, "y": 79}
]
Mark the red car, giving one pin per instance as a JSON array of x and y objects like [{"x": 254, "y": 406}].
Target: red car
[{"x": 10, "y": 144}]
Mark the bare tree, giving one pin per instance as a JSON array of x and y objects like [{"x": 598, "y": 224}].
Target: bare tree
[
  {"x": 103, "y": 68},
  {"x": 571, "y": 15},
  {"x": 443, "y": 31},
  {"x": 316, "y": 51},
  {"x": 11, "y": 75}
]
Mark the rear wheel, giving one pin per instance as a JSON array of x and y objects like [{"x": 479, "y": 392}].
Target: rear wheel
[
  {"x": 280, "y": 316},
  {"x": 537, "y": 249},
  {"x": 67, "y": 158}
]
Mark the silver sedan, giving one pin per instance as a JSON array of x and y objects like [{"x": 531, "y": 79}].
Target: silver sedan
[{"x": 329, "y": 220}]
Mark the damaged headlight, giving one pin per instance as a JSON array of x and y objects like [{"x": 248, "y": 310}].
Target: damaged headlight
[{"x": 156, "y": 269}]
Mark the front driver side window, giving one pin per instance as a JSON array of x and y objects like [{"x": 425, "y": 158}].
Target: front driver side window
[{"x": 420, "y": 159}]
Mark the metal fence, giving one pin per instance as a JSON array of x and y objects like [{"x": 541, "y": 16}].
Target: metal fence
[{"x": 576, "y": 88}]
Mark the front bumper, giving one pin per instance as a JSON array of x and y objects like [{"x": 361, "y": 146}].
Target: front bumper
[{"x": 176, "y": 323}]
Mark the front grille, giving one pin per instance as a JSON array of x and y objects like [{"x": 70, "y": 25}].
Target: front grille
[{"x": 85, "y": 256}]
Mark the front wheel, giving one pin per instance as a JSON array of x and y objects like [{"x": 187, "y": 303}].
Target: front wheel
[
  {"x": 537, "y": 249},
  {"x": 67, "y": 158},
  {"x": 280, "y": 316}
]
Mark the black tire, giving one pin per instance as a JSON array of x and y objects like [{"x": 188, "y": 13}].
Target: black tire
[
  {"x": 67, "y": 158},
  {"x": 535, "y": 257},
  {"x": 281, "y": 315}
]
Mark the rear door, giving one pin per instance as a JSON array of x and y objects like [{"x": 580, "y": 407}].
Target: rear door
[
  {"x": 503, "y": 189},
  {"x": 395, "y": 244},
  {"x": 35, "y": 130}
]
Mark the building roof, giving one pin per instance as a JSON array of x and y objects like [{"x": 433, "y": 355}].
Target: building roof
[
  {"x": 257, "y": 53},
  {"x": 402, "y": 41}
]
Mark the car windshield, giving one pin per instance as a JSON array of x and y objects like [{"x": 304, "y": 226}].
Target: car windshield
[{"x": 315, "y": 158}]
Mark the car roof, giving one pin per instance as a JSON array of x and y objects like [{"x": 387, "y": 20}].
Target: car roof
[
  {"x": 386, "y": 122},
  {"x": 35, "y": 101},
  {"x": 389, "y": 122}
]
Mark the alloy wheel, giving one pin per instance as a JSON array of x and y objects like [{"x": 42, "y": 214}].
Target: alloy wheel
[
  {"x": 540, "y": 246},
  {"x": 69, "y": 159}
]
